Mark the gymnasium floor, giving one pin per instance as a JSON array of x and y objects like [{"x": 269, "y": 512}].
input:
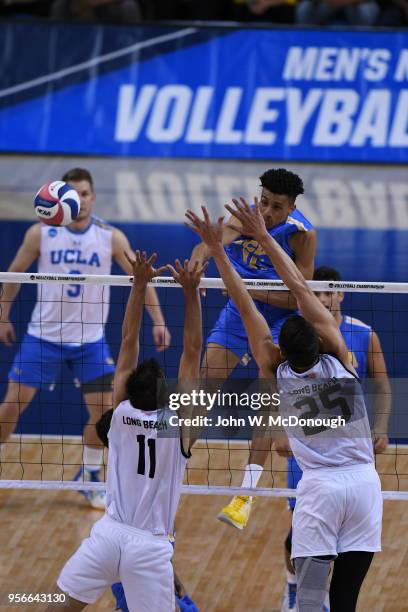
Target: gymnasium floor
[
  {"x": 362, "y": 218},
  {"x": 224, "y": 569}
]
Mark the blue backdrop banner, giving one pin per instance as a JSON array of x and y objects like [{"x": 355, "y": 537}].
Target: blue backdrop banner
[{"x": 204, "y": 92}]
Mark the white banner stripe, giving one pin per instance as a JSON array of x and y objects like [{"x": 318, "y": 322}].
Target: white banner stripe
[
  {"x": 206, "y": 283},
  {"x": 95, "y": 61}
]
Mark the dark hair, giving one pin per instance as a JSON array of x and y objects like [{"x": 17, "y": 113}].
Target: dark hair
[
  {"x": 103, "y": 425},
  {"x": 325, "y": 273},
  {"x": 299, "y": 342},
  {"x": 145, "y": 387},
  {"x": 282, "y": 182},
  {"x": 78, "y": 174}
]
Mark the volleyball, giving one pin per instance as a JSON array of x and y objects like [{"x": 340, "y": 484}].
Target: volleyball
[{"x": 57, "y": 203}]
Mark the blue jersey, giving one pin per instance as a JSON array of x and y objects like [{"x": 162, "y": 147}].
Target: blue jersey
[
  {"x": 248, "y": 257},
  {"x": 250, "y": 260},
  {"x": 357, "y": 336}
]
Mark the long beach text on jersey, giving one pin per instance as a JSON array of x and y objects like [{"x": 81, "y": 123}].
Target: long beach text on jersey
[{"x": 147, "y": 424}]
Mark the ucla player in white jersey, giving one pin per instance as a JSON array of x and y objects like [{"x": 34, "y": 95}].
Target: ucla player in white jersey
[
  {"x": 68, "y": 321},
  {"x": 367, "y": 357},
  {"x": 338, "y": 512},
  {"x": 227, "y": 343},
  {"x": 130, "y": 543}
]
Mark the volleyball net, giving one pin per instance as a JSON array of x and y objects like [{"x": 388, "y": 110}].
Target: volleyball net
[{"x": 46, "y": 448}]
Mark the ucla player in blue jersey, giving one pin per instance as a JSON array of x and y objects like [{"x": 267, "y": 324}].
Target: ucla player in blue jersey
[
  {"x": 367, "y": 357},
  {"x": 68, "y": 321},
  {"x": 227, "y": 343}
]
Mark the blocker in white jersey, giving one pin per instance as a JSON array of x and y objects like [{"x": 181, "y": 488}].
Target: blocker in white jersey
[
  {"x": 131, "y": 543},
  {"x": 327, "y": 394},
  {"x": 339, "y": 504},
  {"x": 145, "y": 469},
  {"x": 147, "y": 459},
  {"x": 68, "y": 321}
]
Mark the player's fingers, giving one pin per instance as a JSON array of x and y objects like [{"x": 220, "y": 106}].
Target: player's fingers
[
  {"x": 152, "y": 259},
  {"x": 131, "y": 261},
  {"x": 234, "y": 227},
  {"x": 203, "y": 268},
  {"x": 256, "y": 201},
  {"x": 160, "y": 270},
  {"x": 206, "y": 215},
  {"x": 234, "y": 213},
  {"x": 245, "y": 204},
  {"x": 6, "y": 339},
  {"x": 158, "y": 336},
  {"x": 167, "y": 338},
  {"x": 220, "y": 221},
  {"x": 195, "y": 229},
  {"x": 172, "y": 271},
  {"x": 192, "y": 217},
  {"x": 238, "y": 204},
  {"x": 179, "y": 267}
]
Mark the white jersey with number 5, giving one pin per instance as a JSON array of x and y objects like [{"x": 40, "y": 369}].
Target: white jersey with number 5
[
  {"x": 324, "y": 392},
  {"x": 73, "y": 313},
  {"x": 145, "y": 469}
]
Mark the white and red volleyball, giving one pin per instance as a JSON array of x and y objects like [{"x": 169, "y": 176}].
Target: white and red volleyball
[{"x": 57, "y": 203}]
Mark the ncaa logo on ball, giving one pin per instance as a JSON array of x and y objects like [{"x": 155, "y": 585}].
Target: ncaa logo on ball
[{"x": 57, "y": 203}]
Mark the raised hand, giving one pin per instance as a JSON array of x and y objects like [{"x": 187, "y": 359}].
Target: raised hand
[
  {"x": 250, "y": 218},
  {"x": 161, "y": 337},
  {"x": 142, "y": 267},
  {"x": 188, "y": 276},
  {"x": 210, "y": 233},
  {"x": 7, "y": 333}
]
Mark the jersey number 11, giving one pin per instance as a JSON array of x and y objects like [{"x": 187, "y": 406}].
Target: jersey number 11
[{"x": 141, "y": 464}]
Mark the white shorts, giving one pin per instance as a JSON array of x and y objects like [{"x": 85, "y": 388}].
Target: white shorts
[
  {"x": 120, "y": 553},
  {"x": 337, "y": 511}
]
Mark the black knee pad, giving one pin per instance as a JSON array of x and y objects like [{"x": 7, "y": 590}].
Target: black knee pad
[{"x": 288, "y": 542}]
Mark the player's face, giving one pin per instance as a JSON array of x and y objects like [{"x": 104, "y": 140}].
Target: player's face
[
  {"x": 86, "y": 196},
  {"x": 275, "y": 207},
  {"x": 331, "y": 300}
]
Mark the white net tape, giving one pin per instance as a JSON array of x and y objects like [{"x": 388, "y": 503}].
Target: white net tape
[{"x": 206, "y": 283}]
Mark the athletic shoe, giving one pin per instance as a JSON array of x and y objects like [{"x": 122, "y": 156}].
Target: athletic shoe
[
  {"x": 95, "y": 499},
  {"x": 326, "y": 607},
  {"x": 237, "y": 512},
  {"x": 289, "y": 598}
]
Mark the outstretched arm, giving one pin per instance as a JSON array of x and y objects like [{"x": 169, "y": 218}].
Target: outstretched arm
[
  {"x": 143, "y": 272},
  {"x": 253, "y": 224},
  {"x": 120, "y": 250},
  {"x": 377, "y": 370},
  {"x": 266, "y": 354},
  {"x": 189, "y": 278}
]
